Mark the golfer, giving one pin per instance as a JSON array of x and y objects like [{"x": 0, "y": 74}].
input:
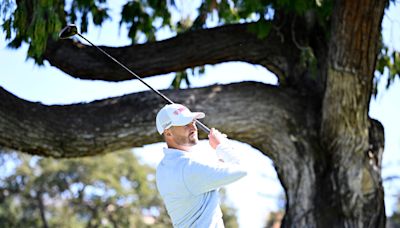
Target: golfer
[{"x": 187, "y": 179}]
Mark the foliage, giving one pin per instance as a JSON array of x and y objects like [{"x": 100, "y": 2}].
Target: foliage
[
  {"x": 183, "y": 76},
  {"x": 388, "y": 60},
  {"x": 35, "y": 21},
  {"x": 179, "y": 78},
  {"x": 141, "y": 16},
  {"x": 108, "y": 190}
]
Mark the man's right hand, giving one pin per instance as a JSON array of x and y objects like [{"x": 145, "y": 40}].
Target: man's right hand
[{"x": 215, "y": 138}]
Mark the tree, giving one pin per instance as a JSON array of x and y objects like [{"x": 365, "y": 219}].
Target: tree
[
  {"x": 314, "y": 125},
  {"x": 112, "y": 190}
]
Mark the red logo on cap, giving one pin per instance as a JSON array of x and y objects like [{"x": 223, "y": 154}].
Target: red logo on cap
[{"x": 179, "y": 110}]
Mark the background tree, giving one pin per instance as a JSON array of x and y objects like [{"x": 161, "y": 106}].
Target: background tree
[
  {"x": 112, "y": 190},
  {"x": 314, "y": 125}
]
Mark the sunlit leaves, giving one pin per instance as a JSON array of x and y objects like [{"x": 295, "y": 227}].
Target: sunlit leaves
[
  {"x": 183, "y": 76},
  {"x": 35, "y": 21},
  {"x": 179, "y": 78},
  {"x": 388, "y": 61},
  {"x": 81, "y": 10},
  {"x": 145, "y": 18},
  {"x": 32, "y": 22},
  {"x": 6, "y": 8}
]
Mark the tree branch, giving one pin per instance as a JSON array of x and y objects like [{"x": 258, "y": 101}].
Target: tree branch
[
  {"x": 128, "y": 121},
  {"x": 193, "y": 48}
]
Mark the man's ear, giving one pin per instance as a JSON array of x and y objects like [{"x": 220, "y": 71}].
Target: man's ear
[{"x": 167, "y": 132}]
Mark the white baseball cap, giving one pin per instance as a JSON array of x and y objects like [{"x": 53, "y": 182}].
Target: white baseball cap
[{"x": 175, "y": 115}]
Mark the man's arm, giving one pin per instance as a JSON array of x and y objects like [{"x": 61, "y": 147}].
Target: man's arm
[{"x": 201, "y": 177}]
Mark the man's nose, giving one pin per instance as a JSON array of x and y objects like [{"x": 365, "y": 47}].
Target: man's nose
[{"x": 193, "y": 125}]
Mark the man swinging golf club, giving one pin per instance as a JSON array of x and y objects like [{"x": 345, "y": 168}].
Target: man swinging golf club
[
  {"x": 189, "y": 180},
  {"x": 188, "y": 184}
]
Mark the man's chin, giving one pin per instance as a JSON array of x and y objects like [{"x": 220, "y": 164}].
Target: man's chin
[{"x": 193, "y": 141}]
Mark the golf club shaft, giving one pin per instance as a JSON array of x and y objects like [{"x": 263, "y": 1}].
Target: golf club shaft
[{"x": 199, "y": 124}]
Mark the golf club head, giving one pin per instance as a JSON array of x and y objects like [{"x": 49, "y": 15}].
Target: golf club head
[{"x": 69, "y": 31}]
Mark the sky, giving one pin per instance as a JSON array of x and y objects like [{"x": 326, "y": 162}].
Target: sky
[{"x": 263, "y": 192}]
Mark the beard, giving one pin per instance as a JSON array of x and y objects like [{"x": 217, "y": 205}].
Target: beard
[
  {"x": 190, "y": 140},
  {"x": 193, "y": 139}
]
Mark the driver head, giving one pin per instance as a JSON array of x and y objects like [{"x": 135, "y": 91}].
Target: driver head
[{"x": 69, "y": 31}]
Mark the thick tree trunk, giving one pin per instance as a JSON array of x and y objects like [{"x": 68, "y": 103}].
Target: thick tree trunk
[{"x": 338, "y": 184}]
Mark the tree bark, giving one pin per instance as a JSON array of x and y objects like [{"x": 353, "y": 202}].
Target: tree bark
[
  {"x": 129, "y": 121},
  {"x": 340, "y": 184},
  {"x": 194, "y": 48}
]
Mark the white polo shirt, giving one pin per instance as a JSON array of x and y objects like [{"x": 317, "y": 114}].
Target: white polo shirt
[{"x": 189, "y": 181}]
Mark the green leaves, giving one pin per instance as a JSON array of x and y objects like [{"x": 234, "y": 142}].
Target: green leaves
[
  {"x": 81, "y": 10},
  {"x": 388, "y": 62},
  {"x": 179, "y": 78},
  {"x": 33, "y": 22},
  {"x": 6, "y": 8},
  {"x": 145, "y": 18},
  {"x": 183, "y": 76}
]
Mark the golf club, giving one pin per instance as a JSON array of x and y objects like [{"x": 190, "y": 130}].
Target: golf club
[{"x": 71, "y": 30}]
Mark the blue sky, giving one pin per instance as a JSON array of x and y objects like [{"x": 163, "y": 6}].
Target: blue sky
[{"x": 51, "y": 86}]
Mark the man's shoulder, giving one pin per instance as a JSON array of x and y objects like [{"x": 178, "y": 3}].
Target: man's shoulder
[{"x": 173, "y": 162}]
